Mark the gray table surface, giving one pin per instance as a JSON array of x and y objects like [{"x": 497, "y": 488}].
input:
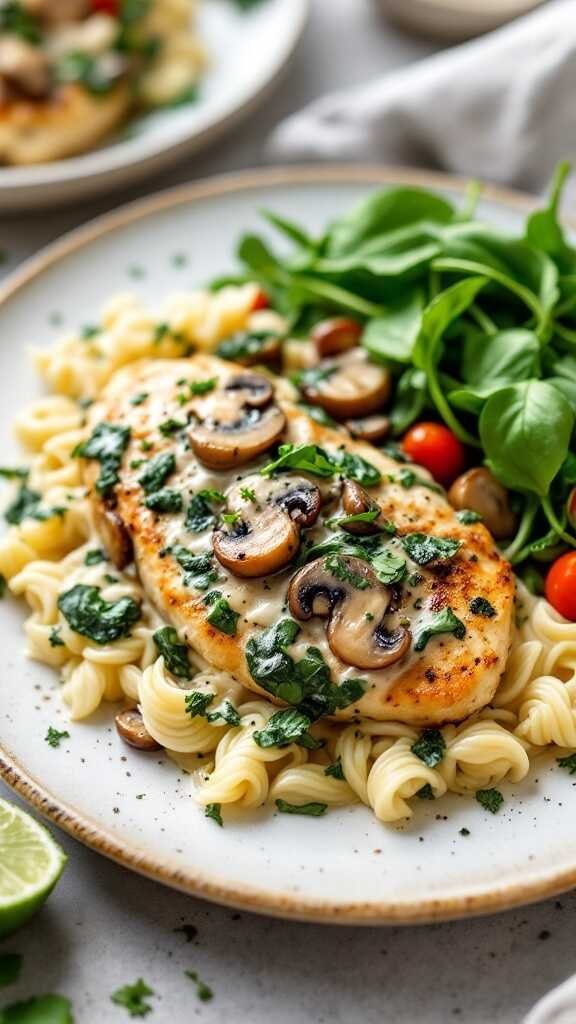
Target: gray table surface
[{"x": 104, "y": 927}]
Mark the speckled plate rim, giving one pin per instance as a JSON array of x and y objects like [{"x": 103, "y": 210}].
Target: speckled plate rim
[{"x": 204, "y": 885}]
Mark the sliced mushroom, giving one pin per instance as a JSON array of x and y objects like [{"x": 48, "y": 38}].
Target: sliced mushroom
[
  {"x": 239, "y": 422},
  {"x": 348, "y": 593},
  {"x": 356, "y": 501},
  {"x": 57, "y": 11},
  {"x": 267, "y": 536},
  {"x": 130, "y": 726},
  {"x": 339, "y": 334},
  {"x": 349, "y": 388},
  {"x": 115, "y": 535},
  {"x": 24, "y": 66},
  {"x": 369, "y": 428},
  {"x": 480, "y": 492}
]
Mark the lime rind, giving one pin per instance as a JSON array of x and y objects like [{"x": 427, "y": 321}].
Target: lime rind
[{"x": 31, "y": 863}]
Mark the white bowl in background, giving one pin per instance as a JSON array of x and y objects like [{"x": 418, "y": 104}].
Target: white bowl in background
[{"x": 455, "y": 20}]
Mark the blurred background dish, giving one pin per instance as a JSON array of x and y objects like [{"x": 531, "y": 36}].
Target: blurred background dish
[
  {"x": 247, "y": 49},
  {"x": 455, "y": 20}
]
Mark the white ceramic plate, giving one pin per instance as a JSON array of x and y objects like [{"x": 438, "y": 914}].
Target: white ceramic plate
[
  {"x": 345, "y": 867},
  {"x": 247, "y": 52}
]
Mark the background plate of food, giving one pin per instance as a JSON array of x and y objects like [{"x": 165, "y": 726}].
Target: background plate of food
[
  {"x": 97, "y": 93},
  {"x": 298, "y": 547}
]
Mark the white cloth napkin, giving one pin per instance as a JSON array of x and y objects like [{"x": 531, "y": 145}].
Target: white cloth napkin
[{"x": 502, "y": 108}]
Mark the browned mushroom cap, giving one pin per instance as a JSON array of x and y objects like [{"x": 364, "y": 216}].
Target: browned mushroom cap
[
  {"x": 336, "y": 335},
  {"x": 480, "y": 492},
  {"x": 240, "y": 422},
  {"x": 349, "y": 388},
  {"x": 114, "y": 534},
  {"x": 267, "y": 536},
  {"x": 347, "y": 592},
  {"x": 369, "y": 428},
  {"x": 24, "y": 66},
  {"x": 356, "y": 501},
  {"x": 130, "y": 726}
]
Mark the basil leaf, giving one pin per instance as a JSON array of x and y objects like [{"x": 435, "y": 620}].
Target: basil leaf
[
  {"x": 101, "y": 621},
  {"x": 310, "y": 458},
  {"x": 430, "y": 747},
  {"x": 423, "y": 548},
  {"x": 311, "y": 810},
  {"x": 175, "y": 654},
  {"x": 106, "y": 445},
  {"x": 525, "y": 431},
  {"x": 157, "y": 471},
  {"x": 443, "y": 622}
]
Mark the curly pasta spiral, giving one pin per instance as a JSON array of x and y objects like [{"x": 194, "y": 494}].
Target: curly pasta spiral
[
  {"x": 480, "y": 754},
  {"x": 396, "y": 776},
  {"x": 309, "y": 782},
  {"x": 547, "y": 714},
  {"x": 87, "y": 685}
]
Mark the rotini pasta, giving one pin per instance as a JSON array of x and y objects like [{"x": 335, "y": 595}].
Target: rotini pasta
[{"x": 56, "y": 548}]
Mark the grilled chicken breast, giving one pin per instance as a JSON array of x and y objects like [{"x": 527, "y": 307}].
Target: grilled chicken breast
[{"x": 425, "y": 626}]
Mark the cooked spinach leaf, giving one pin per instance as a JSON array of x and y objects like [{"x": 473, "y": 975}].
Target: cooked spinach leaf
[
  {"x": 175, "y": 654},
  {"x": 423, "y": 548},
  {"x": 284, "y": 727},
  {"x": 199, "y": 569},
  {"x": 443, "y": 622},
  {"x": 87, "y": 613},
  {"x": 166, "y": 500},
  {"x": 490, "y": 799},
  {"x": 221, "y": 615},
  {"x": 314, "y": 809},
  {"x": 430, "y": 747},
  {"x": 106, "y": 445},
  {"x": 480, "y": 606},
  {"x": 157, "y": 471},
  {"x": 199, "y": 515}
]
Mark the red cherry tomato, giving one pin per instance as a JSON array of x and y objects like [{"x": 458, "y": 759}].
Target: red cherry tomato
[
  {"x": 561, "y": 586},
  {"x": 436, "y": 448},
  {"x": 261, "y": 301},
  {"x": 106, "y": 7}
]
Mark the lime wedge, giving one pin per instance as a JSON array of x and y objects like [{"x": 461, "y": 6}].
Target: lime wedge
[{"x": 30, "y": 865}]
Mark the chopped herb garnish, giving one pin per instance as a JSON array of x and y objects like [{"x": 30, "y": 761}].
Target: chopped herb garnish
[
  {"x": 175, "y": 654},
  {"x": 28, "y": 505},
  {"x": 467, "y": 516},
  {"x": 244, "y": 345},
  {"x": 359, "y": 517},
  {"x": 89, "y": 331},
  {"x": 146, "y": 446},
  {"x": 101, "y": 621},
  {"x": 389, "y": 567},
  {"x": 211, "y": 494},
  {"x": 284, "y": 727},
  {"x": 335, "y": 770},
  {"x": 133, "y": 998},
  {"x": 443, "y": 622},
  {"x": 157, "y": 472},
  {"x": 311, "y": 810},
  {"x": 94, "y": 556},
  {"x": 429, "y": 747},
  {"x": 3, "y": 585},
  {"x": 199, "y": 569},
  {"x": 213, "y": 811},
  {"x": 171, "y": 426},
  {"x": 337, "y": 565},
  {"x": 356, "y": 468},
  {"x": 407, "y": 478},
  {"x": 225, "y": 712},
  {"x": 166, "y": 500},
  {"x": 231, "y": 518},
  {"x": 221, "y": 615},
  {"x": 53, "y": 737},
  {"x": 202, "y": 387},
  {"x": 247, "y": 494},
  {"x": 203, "y": 991},
  {"x": 107, "y": 445},
  {"x": 55, "y": 638},
  {"x": 306, "y": 683},
  {"x": 139, "y": 399},
  {"x": 14, "y": 472},
  {"x": 480, "y": 606},
  {"x": 490, "y": 799},
  {"x": 423, "y": 548},
  {"x": 40, "y": 1009},
  {"x": 199, "y": 516},
  {"x": 197, "y": 702},
  {"x": 308, "y": 457},
  {"x": 425, "y": 792},
  {"x": 568, "y": 762},
  {"x": 464, "y": 831}
]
